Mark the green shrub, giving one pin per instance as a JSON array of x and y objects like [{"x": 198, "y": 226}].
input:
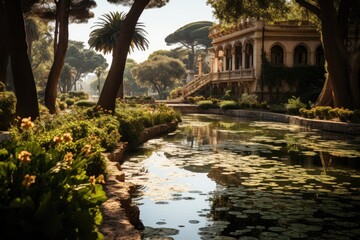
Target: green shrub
[
  {"x": 190, "y": 100},
  {"x": 293, "y": 105},
  {"x": 248, "y": 100},
  {"x": 356, "y": 117},
  {"x": 62, "y": 105},
  {"x": 130, "y": 128},
  {"x": 85, "y": 103},
  {"x": 206, "y": 104},
  {"x": 307, "y": 113},
  {"x": 264, "y": 105},
  {"x": 345, "y": 115},
  {"x": 227, "y": 95},
  {"x": 322, "y": 112},
  {"x": 229, "y": 105},
  {"x": 79, "y": 95},
  {"x": 63, "y": 96},
  {"x": 199, "y": 98},
  {"x": 48, "y": 192},
  {"x": 69, "y": 101},
  {"x": 7, "y": 109},
  {"x": 175, "y": 93}
]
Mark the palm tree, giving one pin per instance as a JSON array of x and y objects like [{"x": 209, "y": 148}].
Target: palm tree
[{"x": 103, "y": 38}]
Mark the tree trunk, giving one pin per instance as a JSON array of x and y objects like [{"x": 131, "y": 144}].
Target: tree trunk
[
  {"x": 24, "y": 84},
  {"x": 120, "y": 93},
  {"x": 336, "y": 56},
  {"x": 326, "y": 96},
  {"x": 4, "y": 53},
  {"x": 59, "y": 56},
  {"x": 115, "y": 76}
]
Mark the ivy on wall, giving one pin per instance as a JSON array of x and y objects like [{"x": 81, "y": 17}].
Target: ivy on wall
[{"x": 306, "y": 80}]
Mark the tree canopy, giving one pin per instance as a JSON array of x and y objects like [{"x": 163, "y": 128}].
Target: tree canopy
[
  {"x": 160, "y": 72},
  {"x": 231, "y": 10},
  {"x": 191, "y": 36},
  {"x": 103, "y": 37},
  {"x": 82, "y": 61}
]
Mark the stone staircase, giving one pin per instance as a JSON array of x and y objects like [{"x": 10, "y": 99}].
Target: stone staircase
[{"x": 196, "y": 84}]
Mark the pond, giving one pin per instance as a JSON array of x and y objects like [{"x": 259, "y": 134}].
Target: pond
[{"x": 219, "y": 177}]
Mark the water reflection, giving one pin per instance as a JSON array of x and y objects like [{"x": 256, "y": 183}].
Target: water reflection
[{"x": 228, "y": 177}]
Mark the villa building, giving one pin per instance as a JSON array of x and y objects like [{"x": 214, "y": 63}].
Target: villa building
[{"x": 236, "y": 61}]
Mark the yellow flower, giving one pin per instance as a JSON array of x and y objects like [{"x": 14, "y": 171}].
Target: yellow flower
[
  {"x": 101, "y": 179},
  {"x": 86, "y": 149},
  {"x": 26, "y": 123},
  {"x": 57, "y": 139},
  {"x": 67, "y": 137},
  {"x": 28, "y": 180},
  {"x": 69, "y": 158},
  {"x": 24, "y": 156},
  {"x": 92, "y": 180}
]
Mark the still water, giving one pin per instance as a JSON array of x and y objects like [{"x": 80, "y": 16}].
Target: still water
[{"x": 219, "y": 177}]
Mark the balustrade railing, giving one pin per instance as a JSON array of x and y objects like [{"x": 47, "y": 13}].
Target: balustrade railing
[{"x": 202, "y": 80}]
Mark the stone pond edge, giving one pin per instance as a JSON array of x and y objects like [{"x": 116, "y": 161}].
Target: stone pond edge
[
  {"x": 325, "y": 125},
  {"x": 121, "y": 217}
]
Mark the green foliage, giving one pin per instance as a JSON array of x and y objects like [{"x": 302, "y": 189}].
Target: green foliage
[
  {"x": 135, "y": 118},
  {"x": 293, "y": 105},
  {"x": 308, "y": 80},
  {"x": 322, "y": 112},
  {"x": 160, "y": 72},
  {"x": 47, "y": 190},
  {"x": 70, "y": 101},
  {"x": 307, "y": 113},
  {"x": 85, "y": 103},
  {"x": 192, "y": 34},
  {"x": 79, "y": 95},
  {"x": 248, "y": 100},
  {"x": 176, "y": 92},
  {"x": 206, "y": 104},
  {"x": 232, "y": 10},
  {"x": 229, "y": 105},
  {"x": 7, "y": 109},
  {"x": 227, "y": 95},
  {"x": 326, "y": 112},
  {"x": 103, "y": 37},
  {"x": 62, "y": 105}
]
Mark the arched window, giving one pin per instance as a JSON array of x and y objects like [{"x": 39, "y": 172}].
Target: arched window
[
  {"x": 320, "y": 57},
  {"x": 277, "y": 55},
  {"x": 249, "y": 56},
  {"x": 228, "y": 59},
  {"x": 300, "y": 55},
  {"x": 238, "y": 57}
]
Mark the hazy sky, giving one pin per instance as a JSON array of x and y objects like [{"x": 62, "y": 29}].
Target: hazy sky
[{"x": 159, "y": 23}]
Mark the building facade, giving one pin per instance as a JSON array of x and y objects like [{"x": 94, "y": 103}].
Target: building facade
[{"x": 236, "y": 56}]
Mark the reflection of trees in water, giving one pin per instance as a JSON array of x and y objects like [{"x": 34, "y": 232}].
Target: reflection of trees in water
[
  {"x": 326, "y": 160},
  {"x": 224, "y": 179}
]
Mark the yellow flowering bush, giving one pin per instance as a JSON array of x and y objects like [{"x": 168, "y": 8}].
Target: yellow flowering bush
[{"x": 51, "y": 187}]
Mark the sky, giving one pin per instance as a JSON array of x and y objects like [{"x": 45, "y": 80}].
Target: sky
[{"x": 159, "y": 23}]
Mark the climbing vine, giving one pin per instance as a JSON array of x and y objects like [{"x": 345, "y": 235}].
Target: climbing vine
[{"x": 307, "y": 80}]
